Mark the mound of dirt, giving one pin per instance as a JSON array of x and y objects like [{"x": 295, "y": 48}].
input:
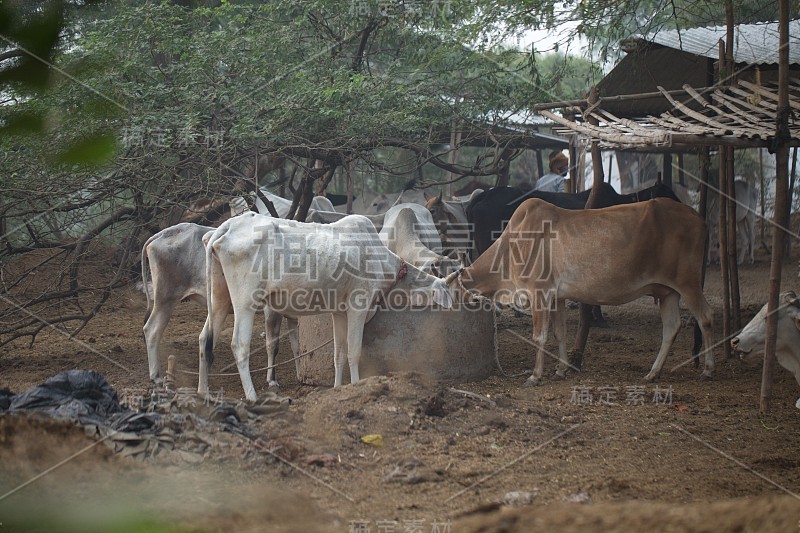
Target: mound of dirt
[
  {"x": 776, "y": 513},
  {"x": 95, "y": 490}
]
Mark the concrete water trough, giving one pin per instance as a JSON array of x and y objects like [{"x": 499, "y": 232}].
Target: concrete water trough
[{"x": 454, "y": 345}]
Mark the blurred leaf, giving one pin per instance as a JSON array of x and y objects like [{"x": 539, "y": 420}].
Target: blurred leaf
[
  {"x": 38, "y": 38},
  {"x": 93, "y": 150},
  {"x": 23, "y": 123}
]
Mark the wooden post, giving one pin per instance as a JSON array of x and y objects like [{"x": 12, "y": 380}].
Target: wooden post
[
  {"x": 455, "y": 141},
  {"x": 733, "y": 256},
  {"x": 782, "y": 135},
  {"x": 597, "y": 168},
  {"x": 540, "y": 163},
  {"x": 763, "y": 194},
  {"x": 573, "y": 163},
  {"x": 666, "y": 170},
  {"x": 705, "y": 161},
  {"x": 681, "y": 170},
  {"x": 348, "y": 169},
  {"x": 597, "y": 161},
  {"x": 789, "y": 200},
  {"x": 722, "y": 228},
  {"x": 733, "y": 265}
]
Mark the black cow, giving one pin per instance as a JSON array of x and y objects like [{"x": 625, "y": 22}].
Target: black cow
[{"x": 489, "y": 212}]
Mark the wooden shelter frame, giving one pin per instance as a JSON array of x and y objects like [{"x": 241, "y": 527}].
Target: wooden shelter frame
[{"x": 739, "y": 115}]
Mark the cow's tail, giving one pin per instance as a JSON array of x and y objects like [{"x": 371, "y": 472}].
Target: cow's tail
[
  {"x": 209, "y": 346},
  {"x": 698, "y": 333},
  {"x": 145, "y": 288}
]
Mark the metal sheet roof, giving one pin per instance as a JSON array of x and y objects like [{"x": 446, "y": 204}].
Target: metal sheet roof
[{"x": 753, "y": 43}]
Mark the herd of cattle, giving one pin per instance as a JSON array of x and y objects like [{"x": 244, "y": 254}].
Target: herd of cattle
[{"x": 531, "y": 250}]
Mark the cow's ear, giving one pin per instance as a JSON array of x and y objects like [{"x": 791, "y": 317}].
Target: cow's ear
[
  {"x": 442, "y": 296},
  {"x": 426, "y": 195}
]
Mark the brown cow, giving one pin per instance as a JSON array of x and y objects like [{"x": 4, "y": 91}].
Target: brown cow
[{"x": 605, "y": 256}]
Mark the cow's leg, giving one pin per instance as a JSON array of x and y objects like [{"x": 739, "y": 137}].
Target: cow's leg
[
  {"x": 294, "y": 342},
  {"x": 671, "y": 323},
  {"x": 699, "y": 307},
  {"x": 598, "y": 320},
  {"x": 206, "y": 345},
  {"x": 741, "y": 231},
  {"x": 355, "y": 335},
  {"x": 339, "y": 344},
  {"x": 153, "y": 332},
  {"x": 240, "y": 344},
  {"x": 583, "y": 333},
  {"x": 208, "y": 340},
  {"x": 750, "y": 224},
  {"x": 560, "y": 334},
  {"x": 272, "y": 327},
  {"x": 541, "y": 323}
]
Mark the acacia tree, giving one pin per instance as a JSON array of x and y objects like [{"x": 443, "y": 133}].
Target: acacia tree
[{"x": 205, "y": 101}]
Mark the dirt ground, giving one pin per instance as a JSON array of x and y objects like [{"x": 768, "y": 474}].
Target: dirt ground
[{"x": 702, "y": 459}]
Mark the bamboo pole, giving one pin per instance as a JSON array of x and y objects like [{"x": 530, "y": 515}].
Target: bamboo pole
[
  {"x": 763, "y": 207},
  {"x": 780, "y": 215},
  {"x": 722, "y": 228},
  {"x": 733, "y": 258},
  {"x": 789, "y": 200},
  {"x": 597, "y": 182}
]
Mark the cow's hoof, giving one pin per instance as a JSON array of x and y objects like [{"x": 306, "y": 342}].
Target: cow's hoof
[
  {"x": 595, "y": 323},
  {"x": 576, "y": 360},
  {"x": 158, "y": 380},
  {"x": 273, "y": 385},
  {"x": 533, "y": 382},
  {"x": 650, "y": 377},
  {"x": 797, "y": 403},
  {"x": 705, "y": 376},
  {"x": 559, "y": 374}
]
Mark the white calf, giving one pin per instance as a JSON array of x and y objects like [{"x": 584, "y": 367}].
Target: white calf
[{"x": 750, "y": 342}]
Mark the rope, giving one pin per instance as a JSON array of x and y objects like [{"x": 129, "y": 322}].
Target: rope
[
  {"x": 266, "y": 367},
  {"x": 496, "y": 356},
  {"x": 503, "y": 372}
]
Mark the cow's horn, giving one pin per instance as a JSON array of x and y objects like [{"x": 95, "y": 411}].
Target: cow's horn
[
  {"x": 452, "y": 276},
  {"x": 791, "y": 299}
]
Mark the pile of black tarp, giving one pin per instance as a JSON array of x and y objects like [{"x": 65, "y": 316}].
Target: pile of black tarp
[{"x": 177, "y": 425}]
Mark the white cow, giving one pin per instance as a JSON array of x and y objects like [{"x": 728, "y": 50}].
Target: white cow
[
  {"x": 450, "y": 217},
  {"x": 301, "y": 269},
  {"x": 178, "y": 264},
  {"x": 750, "y": 342},
  {"x": 746, "y": 204},
  {"x": 411, "y": 234},
  {"x": 282, "y": 205},
  {"x": 328, "y": 217},
  {"x": 371, "y": 203}
]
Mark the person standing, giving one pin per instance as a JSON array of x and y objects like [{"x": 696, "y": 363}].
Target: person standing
[{"x": 553, "y": 181}]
